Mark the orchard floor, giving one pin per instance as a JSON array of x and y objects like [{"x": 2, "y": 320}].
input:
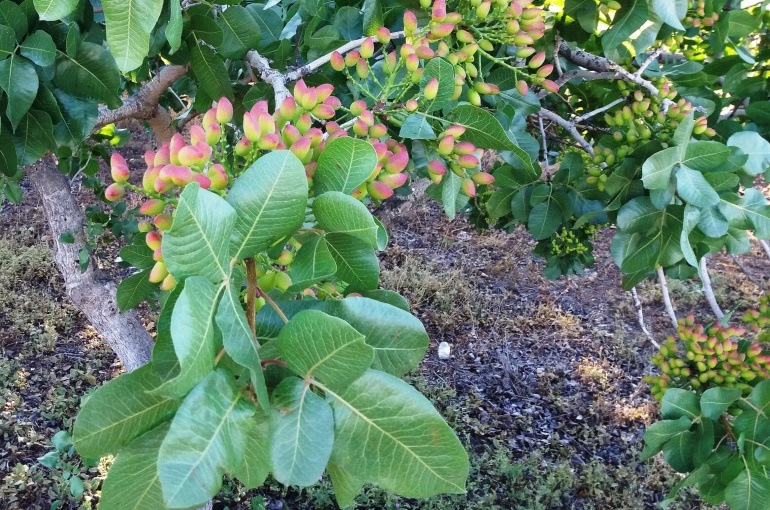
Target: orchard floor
[{"x": 543, "y": 385}]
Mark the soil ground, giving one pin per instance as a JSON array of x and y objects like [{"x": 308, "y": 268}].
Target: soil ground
[{"x": 544, "y": 384}]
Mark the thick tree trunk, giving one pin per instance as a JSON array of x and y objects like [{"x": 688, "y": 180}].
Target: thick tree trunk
[{"x": 90, "y": 291}]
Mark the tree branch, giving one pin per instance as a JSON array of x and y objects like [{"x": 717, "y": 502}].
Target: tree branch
[
  {"x": 667, "y": 298},
  {"x": 93, "y": 294},
  {"x": 144, "y": 104},
  {"x": 709, "y": 290},
  {"x": 569, "y": 128},
  {"x": 640, "y": 315}
]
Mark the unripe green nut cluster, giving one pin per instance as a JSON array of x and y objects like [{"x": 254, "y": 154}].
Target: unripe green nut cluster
[{"x": 717, "y": 356}]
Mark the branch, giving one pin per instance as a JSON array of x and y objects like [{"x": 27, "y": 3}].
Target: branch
[
  {"x": 667, "y": 298},
  {"x": 765, "y": 247},
  {"x": 269, "y": 75},
  {"x": 545, "y": 144},
  {"x": 603, "y": 109},
  {"x": 144, "y": 104},
  {"x": 640, "y": 315},
  {"x": 709, "y": 290},
  {"x": 93, "y": 294},
  {"x": 570, "y": 128}
]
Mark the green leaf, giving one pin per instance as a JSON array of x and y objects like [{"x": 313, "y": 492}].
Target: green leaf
[
  {"x": 12, "y": 15},
  {"x": 382, "y": 422},
  {"x": 197, "y": 243},
  {"x": 683, "y": 134},
  {"x": 373, "y": 16},
  {"x": 164, "y": 359},
  {"x": 678, "y": 402},
  {"x": 20, "y": 82},
  {"x": 134, "y": 289},
  {"x": 33, "y": 137},
  {"x": 444, "y": 72},
  {"x": 7, "y": 41},
  {"x": 204, "y": 30},
  {"x": 313, "y": 263},
  {"x": 92, "y": 73},
  {"x": 750, "y": 490},
  {"x": 133, "y": 482},
  {"x": 302, "y": 433},
  {"x": 211, "y": 72},
  {"x": 346, "y": 485},
  {"x": 129, "y": 24},
  {"x": 748, "y": 212},
  {"x": 270, "y": 199},
  {"x": 344, "y": 165},
  {"x": 192, "y": 333},
  {"x": 670, "y": 11},
  {"x": 417, "y": 127},
  {"x": 450, "y": 188},
  {"x": 255, "y": 467},
  {"x": 715, "y": 401},
  {"x": 712, "y": 222},
  {"x": 632, "y": 20},
  {"x": 39, "y": 48},
  {"x": 119, "y": 412},
  {"x": 482, "y": 128},
  {"x": 53, "y": 10},
  {"x": 755, "y": 147},
  {"x": 694, "y": 189},
  {"x": 240, "y": 32},
  {"x": 238, "y": 340},
  {"x": 138, "y": 255},
  {"x": 691, "y": 217},
  {"x": 357, "y": 264},
  {"x": 656, "y": 171},
  {"x": 638, "y": 215},
  {"x": 79, "y": 119},
  {"x": 584, "y": 12},
  {"x": 705, "y": 155},
  {"x": 324, "y": 347},
  {"x": 545, "y": 219},
  {"x": 205, "y": 440},
  {"x": 175, "y": 25},
  {"x": 741, "y": 23},
  {"x": 269, "y": 21},
  {"x": 660, "y": 432},
  {"x": 758, "y": 111},
  {"x": 8, "y": 161},
  {"x": 338, "y": 213}
]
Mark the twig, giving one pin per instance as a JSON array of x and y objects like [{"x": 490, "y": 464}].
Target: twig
[
  {"x": 272, "y": 304},
  {"x": 746, "y": 271},
  {"x": 144, "y": 104},
  {"x": 667, "y": 297},
  {"x": 640, "y": 315},
  {"x": 545, "y": 143},
  {"x": 765, "y": 247},
  {"x": 569, "y": 128},
  {"x": 598, "y": 111},
  {"x": 275, "y": 78},
  {"x": 650, "y": 59},
  {"x": 709, "y": 290}
]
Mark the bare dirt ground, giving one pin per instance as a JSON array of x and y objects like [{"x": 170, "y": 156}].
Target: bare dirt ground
[{"x": 543, "y": 385}]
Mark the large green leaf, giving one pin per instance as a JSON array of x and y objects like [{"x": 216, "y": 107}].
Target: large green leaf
[
  {"x": 670, "y": 11},
  {"x": 387, "y": 433},
  {"x": 133, "y": 482},
  {"x": 373, "y": 16},
  {"x": 757, "y": 149},
  {"x": 175, "y": 25},
  {"x": 196, "y": 244},
  {"x": 444, "y": 72},
  {"x": 8, "y": 162},
  {"x": 238, "y": 340},
  {"x": 211, "y": 72},
  {"x": 750, "y": 490},
  {"x": 482, "y": 128},
  {"x": 660, "y": 432},
  {"x": 545, "y": 218},
  {"x": 417, "y": 127},
  {"x": 313, "y": 263},
  {"x": 270, "y": 199},
  {"x": 129, "y": 25},
  {"x": 627, "y": 21},
  {"x": 638, "y": 215},
  {"x": 357, "y": 264},
  {"x": 240, "y": 32},
  {"x": 53, "y": 10},
  {"x": 255, "y": 466},
  {"x": 39, "y": 48},
  {"x": 33, "y": 137},
  {"x": 694, "y": 188},
  {"x": 584, "y": 11},
  {"x": 705, "y": 155},
  {"x": 134, "y": 289},
  {"x": 656, "y": 171},
  {"x": 205, "y": 440},
  {"x": 7, "y": 41},
  {"x": 346, "y": 484},
  {"x": 715, "y": 401},
  {"x": 301, "y": 432},
  {"x": 748, "y": 212},
  {"x": 692, "y": 216},
  {"x": 20, "y": 82},
  {"x": 338, "y": 213},
  {"x": 91, "y": 73},
  {"x": 119, "y": 412},
  {"x": 712, "y": 222},
  {"x": 12, "y": 15},
  {"x": 327, "y": 348},
  {"x": 678, "y": 402},
  {"x": 79, "y": 119},
  {"x": 344, "y": 165},
  {"x": 193, "y": 335}
]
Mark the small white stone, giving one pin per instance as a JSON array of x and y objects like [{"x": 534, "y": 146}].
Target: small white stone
[{"x": 443, "y": 350}]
